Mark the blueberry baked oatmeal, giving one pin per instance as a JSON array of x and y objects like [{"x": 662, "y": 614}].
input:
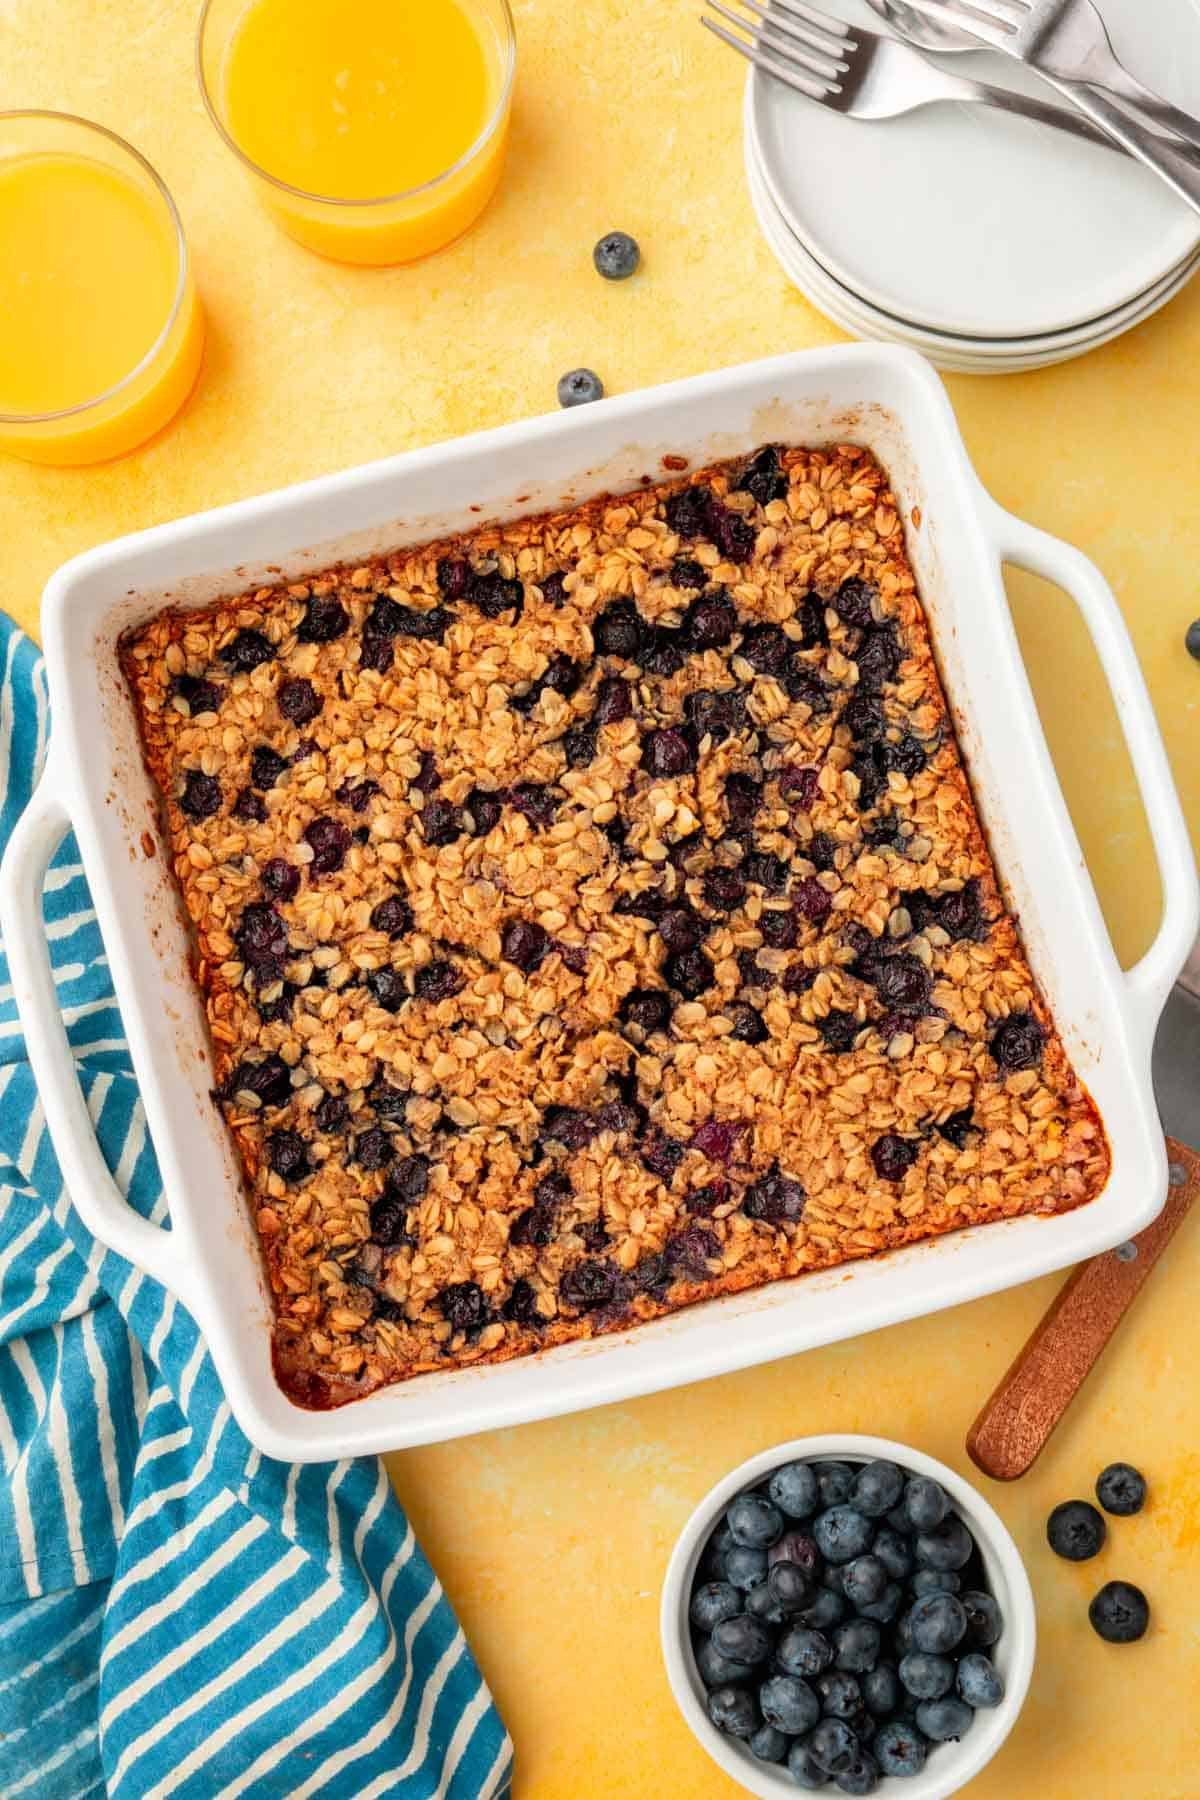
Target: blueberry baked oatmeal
[{"x": 593, "y": 917}]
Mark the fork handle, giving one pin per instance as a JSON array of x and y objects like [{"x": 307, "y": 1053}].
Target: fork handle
[
  {"x": 1176, "y": 165},
  {"x": 1025, "y": 106},
  {"x": 1118, "y": 84}
]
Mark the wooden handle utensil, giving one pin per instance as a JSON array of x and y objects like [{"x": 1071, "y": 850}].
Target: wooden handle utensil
[{"x": 1032, "y": 1397}]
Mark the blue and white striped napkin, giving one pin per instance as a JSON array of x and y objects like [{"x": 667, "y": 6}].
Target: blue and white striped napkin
[{"x": 179, "y": 1615}]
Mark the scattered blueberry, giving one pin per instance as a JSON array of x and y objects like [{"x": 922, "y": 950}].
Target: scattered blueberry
[
  {"x": 579, "y": 386},
  {"x": 1075, "y": 1530},
  {"x": 616, "y": 256},
  {"x": 978, "y": 1681},
  {"x": 1192, "y": 639},
  {"x": 1120, "y": 1613},
  {"x": 1121, "y": 1490}
]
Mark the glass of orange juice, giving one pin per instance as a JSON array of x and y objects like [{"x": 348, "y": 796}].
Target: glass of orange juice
[
  {"x": 375, "y": 130},
  {"x": 101, "y": 331}
]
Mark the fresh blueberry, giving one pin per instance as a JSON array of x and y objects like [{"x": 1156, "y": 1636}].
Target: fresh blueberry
[
  {"x": 842, "y": 1534},
  {"x": 935, "y": 1581},
  {"x": 888, "y": 1605},
  {"x": 925, "y": 1503},
  {"x": 949, "y": 1547},
  {"x": 899, "y": 1749},
  {"x": 978, "y": 1681},
  {"x": 938, "y": 1623},
  {"x": 754, "y": 1521},
  {"x": 712, "y": 1603},
  {"x": 831, "y": 1577},
  {"x": 880, "y": 1690},
  {"x": 742, "y": 1639},
  {"x": 824, "y": 1611},
  {"x": 894, "y": 1552},
  {"x": 832, "y": 1745},
  {"x": 1192, "y": 639},
  {"x": 861, "y": 1776},
  {"x": 1075, "y": 1530},
  {"x": 1120, "y": 1489},
  {"x": 944, "y": 1720},
  {"x": 717, "y": 1670},
  {"x": 762, "y": 1604},
  {"x": 794, "y": 1490},
  {"x": 579, "y": 386},
  {"x": 744, "y": 1567},
  {"x": 864, "y": 1580},
  {"x": 788, "y": 1703},
  {"x": 877, "y": 1488},
  {"x": 803, "y": 1651},
  {"x": 926, "y": 1677},
  {"x": 840, "y": 1694},
  {"x": 768, "y": 1744},
  {"x": 800, "y": 1548},
  {"x": 857, "y": 1646},
  {"x": 616, "y": 256},
  {"x": 803, "y": 1769},
  {"x": 984, "y": 1620},
  {"x": 733, "y": 1711},
  {"x": 835, "y": 1481},
  {"x": 902, "y": 1634},
  {"x": 1120, "y": 1612},
  {"x": 790, "y": 1586}
]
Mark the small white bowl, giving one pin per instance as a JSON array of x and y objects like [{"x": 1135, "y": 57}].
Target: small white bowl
[{"x": 949, "y": 1766}]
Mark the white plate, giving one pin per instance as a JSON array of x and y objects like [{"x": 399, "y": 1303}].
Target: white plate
[
  {"x": 966, "y": 220},
  {"x": 965, "y": 355}
]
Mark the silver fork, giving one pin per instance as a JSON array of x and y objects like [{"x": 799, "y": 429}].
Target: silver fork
[
  {"x": 1065, "y": 41},
  {"x": 862, "y": 74}
]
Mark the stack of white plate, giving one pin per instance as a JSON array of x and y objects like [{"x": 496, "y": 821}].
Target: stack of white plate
[{"x": 987, "y": 242}]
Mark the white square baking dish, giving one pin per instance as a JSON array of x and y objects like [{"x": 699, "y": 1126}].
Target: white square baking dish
[{"x": 886, "y": 399}]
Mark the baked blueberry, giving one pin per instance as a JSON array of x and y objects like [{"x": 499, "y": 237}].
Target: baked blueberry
[
  {"x": 270, "y": 1081},
  {"x": 393, "y": 915},
  {"x": 280, "y": 879},
  {"x": 1120, "y": 1613},
  {"x": 776, "y": 1199},
  {"x": 325, "y": 618},
  {"x": 793, "y": 1488},
  {"x": 201, "y": 796},
  {"x": 667, "y": 753},
  {"x": 957, "y": 1129},
  {"x": 329, "y": 841},
  {"x": 689, "y": 973},
  {"x": 332, "y": 1113},
  {"x": 247, "y": 650},
  {"x": 724, "y": 888},
  {"x": 525, "y": 944},
  {"x": 716, "y": 713},
  {"x": 1075, "y": 1530},
  {"x": 387, "y": 988},
  {"x": 262, "y": 942},
  {"x": 767, "y": 648},
  {"x": 438, "y": 980},
  {"x": 1121, "y": 1490},
  {"x": 893, "y": 1156},
  {"x": 287, "y": 1156},
  {"x": 1017, "y": 1043},
  {"x": 777, "y": 928},
  {"x": 494, "y": 594},
  {"x": 763, "y": 477},
  {"x": 197, "y": 695},
  {"x": 839, "y": 1030},
  {"x": 710, "y": 621}
]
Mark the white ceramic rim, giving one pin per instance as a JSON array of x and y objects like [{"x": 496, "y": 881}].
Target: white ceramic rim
[
  {"x": 950, "y": 1766},
  {"x": 858, "y": 317}
]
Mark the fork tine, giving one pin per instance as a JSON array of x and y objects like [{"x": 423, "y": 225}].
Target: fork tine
[
  {"x": 950, "y": 12},
  {"x": 785, "y": 39},
  {"x": 803, "y": 84},
  {"x": 824, "y": 23},
  {"x": 832, "y": 62}
]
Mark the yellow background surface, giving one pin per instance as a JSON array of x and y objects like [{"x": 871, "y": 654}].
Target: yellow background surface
[{"x": 552, "y": 1539}]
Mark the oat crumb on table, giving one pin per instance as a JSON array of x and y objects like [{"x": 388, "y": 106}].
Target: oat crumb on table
[{"x": 593, "y": 917}]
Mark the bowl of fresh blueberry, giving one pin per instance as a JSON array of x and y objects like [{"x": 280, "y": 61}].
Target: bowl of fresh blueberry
[{"x": 846, "y": 1615}]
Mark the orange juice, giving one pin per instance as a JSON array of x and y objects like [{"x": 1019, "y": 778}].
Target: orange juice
[
  {"x": 90, "y": 266},
  {"x": 379, "y": 125}
]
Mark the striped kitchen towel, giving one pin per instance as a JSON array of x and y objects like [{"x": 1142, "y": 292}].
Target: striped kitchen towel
[{"x": 179, "y": 1615}]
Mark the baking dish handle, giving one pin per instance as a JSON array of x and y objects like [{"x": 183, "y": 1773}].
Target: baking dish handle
[
  {"x": 95, "y": 1195},
  {"x": 1149, "y": 981}
]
